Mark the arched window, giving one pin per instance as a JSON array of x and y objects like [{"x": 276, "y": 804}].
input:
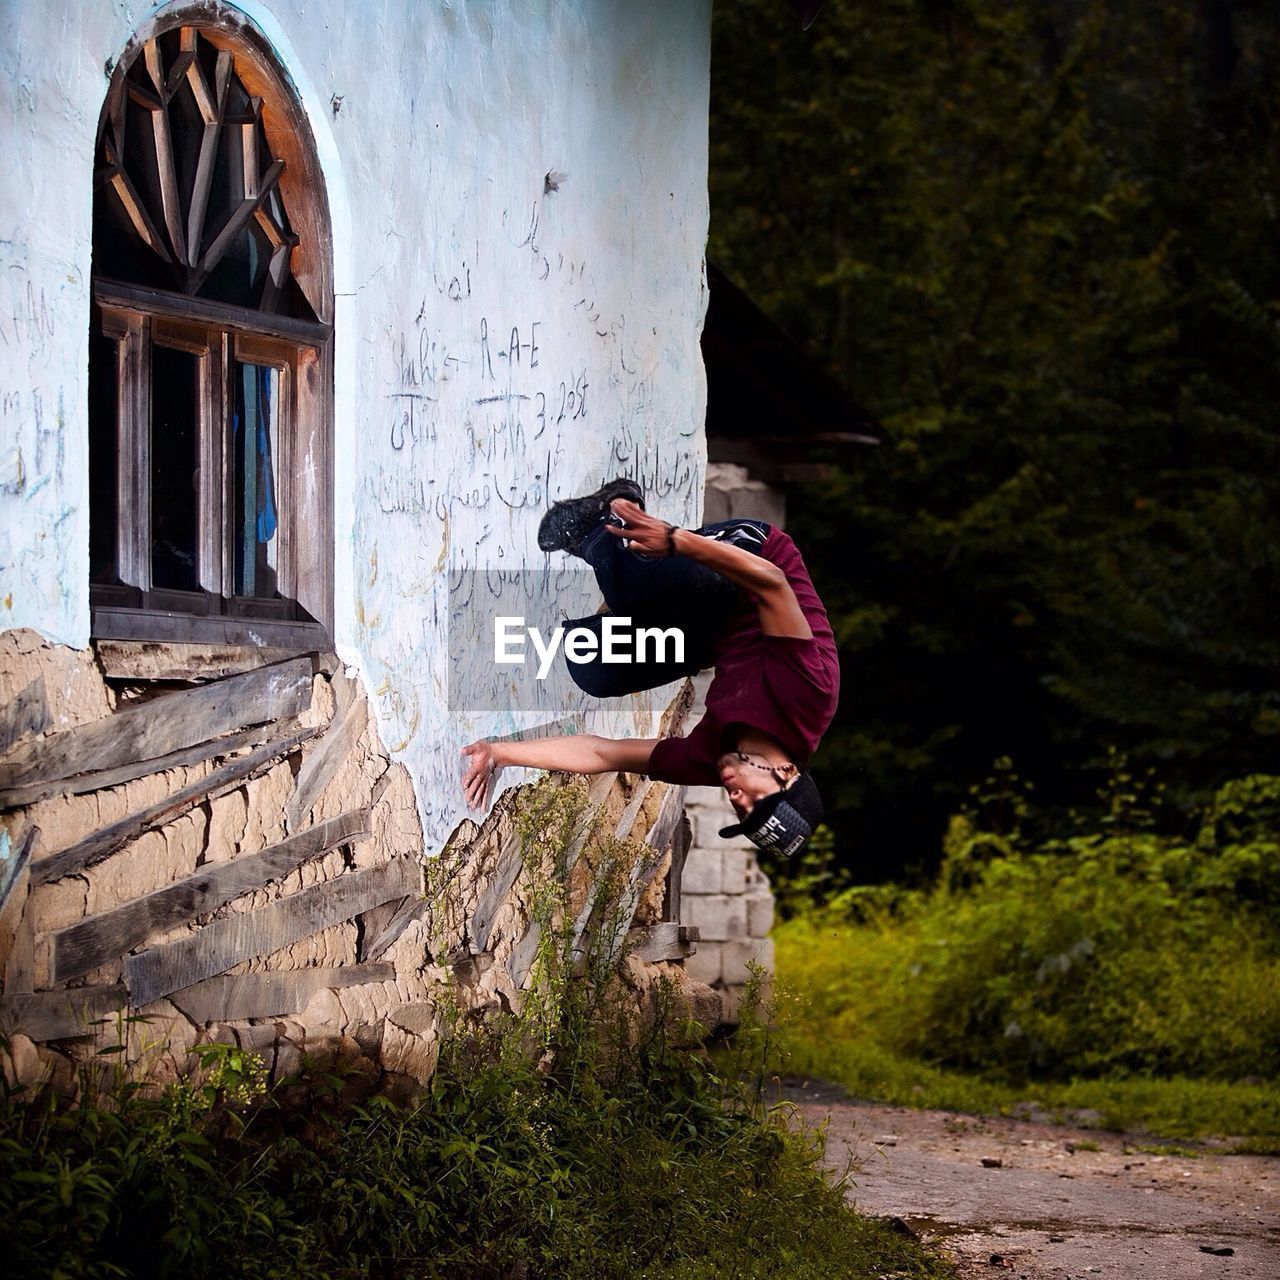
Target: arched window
[{"x": 210, "y": 363}]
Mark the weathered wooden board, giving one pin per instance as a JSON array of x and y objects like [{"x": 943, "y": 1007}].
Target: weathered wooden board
[
  {"x": 669, "y": 815},
  {"x": 680, "y": 843},
  {"x": 327, "y": 756},
  {"x": 659, "y": 838},
  {"x": 600, "y": 787},
  {"x": 81, "y": 783},
  {"x": 194, "y": 663},
  {"x": 15, "y": 855},
  {"x": 523, "y": 954},
  {"x": 59, "y": 1015},
  {"x": 224, "y": 943},
  {"x": 15, "y": 880},
  {"x": 82, "y": 947},
  {"x": 632, "y": 811},
  {"x": 269, "y": 995},
  {"x": 101, "y": 844},
  {"x": 24, "y": 715},
  {"x": 383, "y": 926},
  {"x": 19, "y": 971},
  {"x": 504, "y": 875},
  {"x": 666, "y": 941},
  {"x": 163, "y": 725},
  {"x": 614, "y": 929}
]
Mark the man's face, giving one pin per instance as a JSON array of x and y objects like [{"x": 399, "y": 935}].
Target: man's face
[{"x": 745, "y": 783}]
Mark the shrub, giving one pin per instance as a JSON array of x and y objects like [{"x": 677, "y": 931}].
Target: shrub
[
  {"x": 1114, "y": 953},
  {"x": 572, "y": 1140}
]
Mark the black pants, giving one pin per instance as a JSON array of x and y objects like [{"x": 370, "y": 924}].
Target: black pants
[{"x": 670, "y": 592}]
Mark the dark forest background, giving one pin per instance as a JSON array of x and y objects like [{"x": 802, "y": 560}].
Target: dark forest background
[{"x": 1040, "y": 243}]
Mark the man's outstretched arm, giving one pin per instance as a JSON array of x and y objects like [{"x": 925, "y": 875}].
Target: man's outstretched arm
[
  {"x": 577, "y": 753},
  {"x": 780, "y": 612}
]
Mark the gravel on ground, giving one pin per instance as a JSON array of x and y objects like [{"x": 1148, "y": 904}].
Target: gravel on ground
[{"x": 1049, "y": 1202}]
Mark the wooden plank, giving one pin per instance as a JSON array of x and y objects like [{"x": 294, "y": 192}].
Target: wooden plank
[
  {"x": 667, "y": 941},
  {"x": 328, "y": 755},
  {"x": 82, "y": 947},
  {"x": 137, "y": 212},
  {"x": 20, "y": 965},
  {"x": 170, "y": 204},
  {"x": 596, "y": 793},
  {"x": 277, "y": 270},
  {"x": 523, "y": 954},
  {"x": 116, "y": 293},
  {"x": 164, "y": 725},
  {"x": 505, "y": 873},
  {"x": 664, "y": 825},
  {"x": 223, "y": 943},
  {"x": 192, "y": 663},
  {"x": 103, "y": 843},
  {"x": 235, "y": 223},
  {"x": 230, "y": 997},
  {"x": 616, "y": 927},
  {"x": 126, "y": 623},
  {"x": 60, "y": 1015},
  {"x": 679, "y": 853},
  {"x": 632, "y": 811},
  {"x": 211, "y": 106},
  {"x": 642, "y": 873},
  {"x": 15, "y": 880},
  {"x": 86, "y": 782},
  {"x": 183, "y": 62},
  {"x": 15, "y": 855},
  {"x": 402, "y": 916},
  {"x": 25, "y": 715}
]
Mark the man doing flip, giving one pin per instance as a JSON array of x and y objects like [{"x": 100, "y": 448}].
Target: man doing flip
[{"x": 740, "y": 592}]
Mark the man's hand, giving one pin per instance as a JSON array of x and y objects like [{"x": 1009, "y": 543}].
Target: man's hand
[
  {"x": 647, "y": 534},
  {"x": 780, "y": 612},
  {"x": 574, "y": 753},
  {"x": 480, "y": 771}
]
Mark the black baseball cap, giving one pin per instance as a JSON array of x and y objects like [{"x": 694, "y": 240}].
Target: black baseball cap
[{"x": 784, "y": 821}]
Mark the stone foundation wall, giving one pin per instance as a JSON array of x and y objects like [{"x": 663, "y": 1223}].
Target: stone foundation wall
[
  {"x": 174, "y": 873},
  {"x": 724, "y": 894}
]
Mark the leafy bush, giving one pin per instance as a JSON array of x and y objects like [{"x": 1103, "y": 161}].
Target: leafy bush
[
  {"x": 1119, "y": 953},
  {"x": 573, "y": 1140},
  {"x": 655, "y": 1166}
]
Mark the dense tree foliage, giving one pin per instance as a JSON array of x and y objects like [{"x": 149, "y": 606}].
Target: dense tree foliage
[{"x": 1038, "y": 239}]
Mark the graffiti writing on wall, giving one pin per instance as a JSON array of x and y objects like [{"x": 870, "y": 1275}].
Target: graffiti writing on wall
[{"x": 488, "y": 410}]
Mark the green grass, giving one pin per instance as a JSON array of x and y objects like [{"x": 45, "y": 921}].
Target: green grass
[
  {"x": 647, "y": 1165},
  {"x": 851, "y": 1008},
  {"x": 1120, "y": 976}
]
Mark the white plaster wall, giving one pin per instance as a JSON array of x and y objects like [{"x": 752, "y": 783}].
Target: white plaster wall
[{"x": 497, "y": 346}]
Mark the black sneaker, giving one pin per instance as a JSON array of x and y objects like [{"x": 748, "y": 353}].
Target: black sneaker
[{"x": 569, "y": 521}]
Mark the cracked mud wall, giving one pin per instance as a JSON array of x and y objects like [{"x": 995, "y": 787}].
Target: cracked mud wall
[{"x": 290, "y": 909}]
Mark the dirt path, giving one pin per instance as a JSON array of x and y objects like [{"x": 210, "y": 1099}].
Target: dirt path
[{"x": 1011, "y": 1197}]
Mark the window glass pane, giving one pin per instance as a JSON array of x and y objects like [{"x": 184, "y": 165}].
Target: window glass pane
[
  {"x": 104, "y": 429},
  {"x": 242, "y": 270},
  {"x": 254, "y": 449},
  {"x": 175, "y": 461}
]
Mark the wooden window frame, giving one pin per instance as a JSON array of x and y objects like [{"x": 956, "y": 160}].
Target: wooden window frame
[
  {"x": 137, "y": 609},
  {"x": 137, "y": 318}
]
